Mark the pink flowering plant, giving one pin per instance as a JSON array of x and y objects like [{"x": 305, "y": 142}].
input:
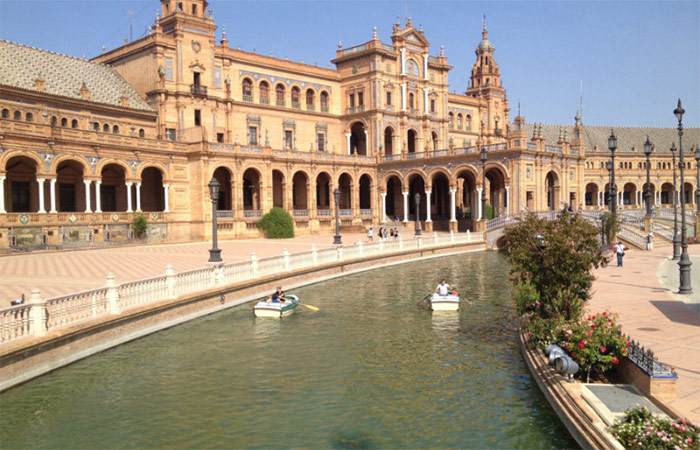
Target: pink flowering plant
[
  {"x": 594, "y": 342},
  {"x": 541, "y": 332},
  {"x": 639, "y": 429}
]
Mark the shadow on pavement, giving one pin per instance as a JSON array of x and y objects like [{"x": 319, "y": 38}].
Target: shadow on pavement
[{"x": 678, "y": 312}]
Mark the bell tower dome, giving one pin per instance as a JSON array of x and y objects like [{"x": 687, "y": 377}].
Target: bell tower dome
[
  {"x": 192, "y": 8},
  {"x": 485, "y": 76}
]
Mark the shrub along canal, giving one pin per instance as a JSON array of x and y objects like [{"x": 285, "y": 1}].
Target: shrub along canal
[{"x": 370, "y": 369}]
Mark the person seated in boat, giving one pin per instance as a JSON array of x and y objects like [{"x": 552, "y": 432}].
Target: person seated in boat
[
  {"x": 277, "y": 296},
  {"x": 443, "y": 288}
]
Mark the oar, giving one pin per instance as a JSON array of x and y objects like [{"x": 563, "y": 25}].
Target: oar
[
  {"x": 255, "y": 302},
  {"x": 312, "y": 308}
]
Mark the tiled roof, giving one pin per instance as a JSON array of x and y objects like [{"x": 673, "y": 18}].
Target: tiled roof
[
  {"x": 64, "y": 75},
  {"x": 627, "y": 137}
]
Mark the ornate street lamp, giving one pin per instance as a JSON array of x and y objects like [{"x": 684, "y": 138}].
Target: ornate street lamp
[
  {"x": 676, "y": 236},
  {"x": 417, "y": 198},
  {"x": 609, "y": 166},
  {"x": 697, "y": 180},
  {"x": 336, "y": 238},
  {"x": 648, "y": 148},
  {"x": 684, "y": 264},
  {"x": 483, "y": 157},
  {"x": 612, "y": 146},
  {"x": 215, "y": 252}
]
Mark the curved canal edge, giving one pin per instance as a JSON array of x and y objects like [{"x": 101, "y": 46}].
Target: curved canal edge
[{"x": 27, "y": 359}]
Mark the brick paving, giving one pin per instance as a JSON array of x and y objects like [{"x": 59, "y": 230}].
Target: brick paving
[{"x": 643, "y": 293}]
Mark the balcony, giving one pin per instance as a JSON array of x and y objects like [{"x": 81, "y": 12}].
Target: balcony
[
  {"x": 247, "y": 98},
  {"x": 198, "y": 89},
  {"x": 265, "y": 101}
]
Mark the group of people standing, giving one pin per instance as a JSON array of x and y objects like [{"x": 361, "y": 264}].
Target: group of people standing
[{"x": 383, "y": 233}]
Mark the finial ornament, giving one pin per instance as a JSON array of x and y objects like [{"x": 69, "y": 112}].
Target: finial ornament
[
  {"x": 442, "y": 50},
  {"x": 374, "y": 34},
  {"x": 484, "y": 22},
  {"x": 340, "y": 45},
  {"x": 223, "y": 32}
]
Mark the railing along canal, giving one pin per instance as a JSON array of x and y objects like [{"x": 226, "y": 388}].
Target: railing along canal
[{"x": 38, "y": 317}]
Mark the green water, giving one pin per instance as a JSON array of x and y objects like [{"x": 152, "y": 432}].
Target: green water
[{"x": 369, "y": 370}]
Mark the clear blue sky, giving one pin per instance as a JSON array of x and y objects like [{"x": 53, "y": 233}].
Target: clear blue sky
[{"x": 634, "y": 58}]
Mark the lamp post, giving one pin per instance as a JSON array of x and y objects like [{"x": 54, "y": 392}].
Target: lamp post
[
  {"x": 215, "y": 252},
  {"x": 336, "y": 238},
  {"x": 676, "y": 236},
  {"x": 697, "y": 179},
  {"x": 417, "y": 198},
  {"x": 483, "y": 157},
  {"x": 608, "y": 165},
  {"x": 612, "y": 146},
  {"x": 684, "y": 264},
  {"x": 648, "y": 148}
]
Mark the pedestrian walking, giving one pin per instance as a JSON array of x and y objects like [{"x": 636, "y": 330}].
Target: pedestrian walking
[
  {"x": 619, "y": 250},
  {"x": 650, "y": 242},
  {"x": 370, "y": 234}
]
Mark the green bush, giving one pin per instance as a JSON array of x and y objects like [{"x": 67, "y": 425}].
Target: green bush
[
  {"x": 489, "y": 212},
  {"x": 527, "y": 299},
  {"x": 640, "y": 429},
  {"x": 139, "y": 225},
  {"x": 561, "y": 270},
  {"x": 611, "y": 226},
  {"x": 277, "y": 224},
  {"x": 541, "y": 332}
]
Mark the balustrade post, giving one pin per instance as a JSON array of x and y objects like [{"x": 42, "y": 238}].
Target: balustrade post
[
  {"x": 339, "y": 253},
  {"x": 314, "y": 254},
  {"x": 254, "y": 264},
  {"x": 219, "y": 274},
  {"x": 435, "y": 237},
  {"x": 285, "y": 257},
  {"x": 170, "y": 282},
  {"x": 452, "y": 237},
  {"x": 112, "y": 295},
  {"x": 400, "y": 243},
  {"x": 469, "y": 236},
  {"x": 381, "y": 246},
  {"x": 38, "y": 313},
  {"x": 360, "y": 249},
  {"x": 420, "y": 242}
]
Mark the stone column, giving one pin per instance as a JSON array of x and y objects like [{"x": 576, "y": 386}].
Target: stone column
[
  {"x": 87, "y": 195},
  {"x": 41, "y": 195},
  {"x": 403, "y": 96},
  {"x": 383, "y": 194},
  {"x": 128, "y": 197},
  {"x": 52, "y": 197},
  {"x": 405, "y": 207},
  {"x": 478, "y": 203},
  {"x": 98, "y": 197},
  {"x": 167, "y": 200},
  {"x": 138, "y": 197},
  {"x": 366, "y": 142},
  {"x": 453, "y": 212},
  {"x": 347, "y": 136},
  {"x": 427, "y": 206},
  {"x": 425, "y": 66},
  {"x": 403, "y": 61},
  {"x": 425, "y": 100},
  {"x": 2, "y": 195},
  {"x": 507, "y": 205}
]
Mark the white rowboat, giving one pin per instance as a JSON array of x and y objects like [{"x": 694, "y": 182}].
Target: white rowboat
[
  {"x": 277, "y": 310},
  {"x": 444, "y": 302}
]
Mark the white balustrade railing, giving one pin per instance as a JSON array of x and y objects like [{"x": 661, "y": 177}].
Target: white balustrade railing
[
  {"x": 633, "y": 236},
  {"x": 38, "y": 317}
]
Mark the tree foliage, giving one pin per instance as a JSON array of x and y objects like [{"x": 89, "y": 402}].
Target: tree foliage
[
  {"x": 611, "y": 225},
  {"x": 139, "y": 225},
  {"x": 277, "y": 224},
  {"x": 556, "y": 257}
]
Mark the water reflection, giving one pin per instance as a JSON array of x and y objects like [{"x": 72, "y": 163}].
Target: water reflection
[{"x": 371, "y": 369}]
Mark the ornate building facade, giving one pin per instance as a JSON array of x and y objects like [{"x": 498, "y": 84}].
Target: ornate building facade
[{"x": 143, "y": 128}]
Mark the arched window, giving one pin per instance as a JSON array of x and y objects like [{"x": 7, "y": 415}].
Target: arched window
[
  {"x": 469, "y": 122},
  {"x": 115, "y": 129},
  {"x": 309, "y": 99},
  {"x": 295, "y": 97},
  {"x": 74, "y": 123},
  {"x": 324, "y": 101},
  {"x": 279, "y": 92},
  {"x": 29, "y": 117},
  {"x": 5, "y": 113},
  {"x": 459, "y": 121},
  {"x": 411, "y": 101},
  {"x": 450, "y": 120},
  {"x": 264, "y": 92},
  {"x": 64, "y": 122},
  {"x": 247, "y": 87},
  {"x": 18, "y": 115},
  {"x": 96, "y": 126},
  {"x": 54, "y": 121},
  {"x": 105, "y": 128},
  {"x": 142, "y": 133}
]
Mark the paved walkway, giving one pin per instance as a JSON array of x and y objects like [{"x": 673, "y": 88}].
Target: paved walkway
[
  {"x": 642, "y": 292},
  {"x": 67, "y": 272}
]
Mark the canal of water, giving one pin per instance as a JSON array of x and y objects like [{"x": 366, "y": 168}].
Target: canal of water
[{"x": 370, "y": 369}]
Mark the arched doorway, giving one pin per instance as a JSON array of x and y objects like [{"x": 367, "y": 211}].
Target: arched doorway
[
  {"x": 496, "y": 193},
  {"x": 345, "y": 187},
  {"x": 21, "y": 185},
  {"x": 467, "y": 201},
  {"x": 412, "y": 141},
  {"x": 388, "y": 141},
  {"x": 394, "y": 198},
  {"x": 365, "y": 192},
  {"x": 667, "y": 194},
  {"x": 440, "y": 198},
  {"x": 591, "y": 195},
  {"x": 629, "y": 194},
  {"x": 71, "y": 190},
  {"x": 416, "y": 185},
  {"x": 652, "y": 193},
  {"x": 113, "y": 188},
  {"x": 251, "y": 190},
  {"x": 277, "y": 189},
  {"x": 551, "y": 189},
  {"x": 358, "y": 139},
  {"x": 299, "y": 191},
  {"x": 434, "y": 137},
  {"x": 153, "y": 193},
  {"x": 323, "y": 191}
]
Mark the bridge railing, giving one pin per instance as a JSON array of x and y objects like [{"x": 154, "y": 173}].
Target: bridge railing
[{"x": 39, "y": 317}]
